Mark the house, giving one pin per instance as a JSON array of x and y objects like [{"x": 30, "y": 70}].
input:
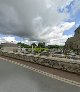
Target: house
[{"x": 9, "y": 47}]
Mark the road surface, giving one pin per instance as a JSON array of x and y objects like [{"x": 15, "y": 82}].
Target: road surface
[{"x": 15, "y": 78}]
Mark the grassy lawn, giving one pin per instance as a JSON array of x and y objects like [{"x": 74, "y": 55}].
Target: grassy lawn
[{"x": 38, "y": 50}]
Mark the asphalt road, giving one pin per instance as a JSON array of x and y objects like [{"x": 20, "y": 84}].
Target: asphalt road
[{"x": 15, "y": 78}]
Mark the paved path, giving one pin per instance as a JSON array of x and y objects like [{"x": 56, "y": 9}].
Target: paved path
[{"x": 14, "y": 78}]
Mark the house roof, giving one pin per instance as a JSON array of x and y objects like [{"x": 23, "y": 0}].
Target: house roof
[{"x": 9, "y": 44}]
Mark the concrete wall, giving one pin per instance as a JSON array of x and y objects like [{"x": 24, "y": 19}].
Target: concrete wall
[{"x": 59, "y": 63}]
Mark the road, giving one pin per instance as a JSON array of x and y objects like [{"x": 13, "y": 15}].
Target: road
[{"x": 15, "y": 78}]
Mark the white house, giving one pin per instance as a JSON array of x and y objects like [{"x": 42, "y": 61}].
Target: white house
[{"x": 9, "y": 47}]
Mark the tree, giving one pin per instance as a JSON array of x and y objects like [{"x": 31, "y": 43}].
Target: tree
[
  {"x": 41, "y": 45},
  {"x": 33, "y": 44},
  {"x": 55, "y": 46},
  {"x": 23, "y": 45}
]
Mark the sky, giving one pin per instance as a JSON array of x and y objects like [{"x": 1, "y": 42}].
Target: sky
[{"x": 29, "y": 21}]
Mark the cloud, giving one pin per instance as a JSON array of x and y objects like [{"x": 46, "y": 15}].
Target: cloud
[
  {"x": 58, "y": 3},
  {"x": 8, "y": 39},
  {"x": 16, "y": 17},
  {"x": 72, "y": 7},
  {"x": 59, "y": 41},
  {"x": 35, "y": 20},
  {"x": 51, "y": 35},
  {"x": 75, "y": 7},
  {"x": 54, "y": 34}
]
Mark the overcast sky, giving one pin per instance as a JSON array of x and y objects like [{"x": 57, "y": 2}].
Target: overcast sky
[{"x": 52, "y": 21}]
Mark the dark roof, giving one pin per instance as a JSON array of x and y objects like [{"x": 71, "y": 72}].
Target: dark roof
[{"x": 9, "y": 44}]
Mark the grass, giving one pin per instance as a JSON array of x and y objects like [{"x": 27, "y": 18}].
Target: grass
[{"x": 38, "y": 50}]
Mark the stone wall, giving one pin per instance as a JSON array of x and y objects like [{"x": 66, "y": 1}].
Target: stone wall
[
  {"x": 74, "y": 42},
  {"x": 59, "y": 63}
]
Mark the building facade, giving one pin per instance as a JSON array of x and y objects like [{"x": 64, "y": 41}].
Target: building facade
[{"x": 9, "y": 47}]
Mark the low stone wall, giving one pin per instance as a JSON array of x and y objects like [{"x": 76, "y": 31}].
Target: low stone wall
[{"x": 53, "y": 62}]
